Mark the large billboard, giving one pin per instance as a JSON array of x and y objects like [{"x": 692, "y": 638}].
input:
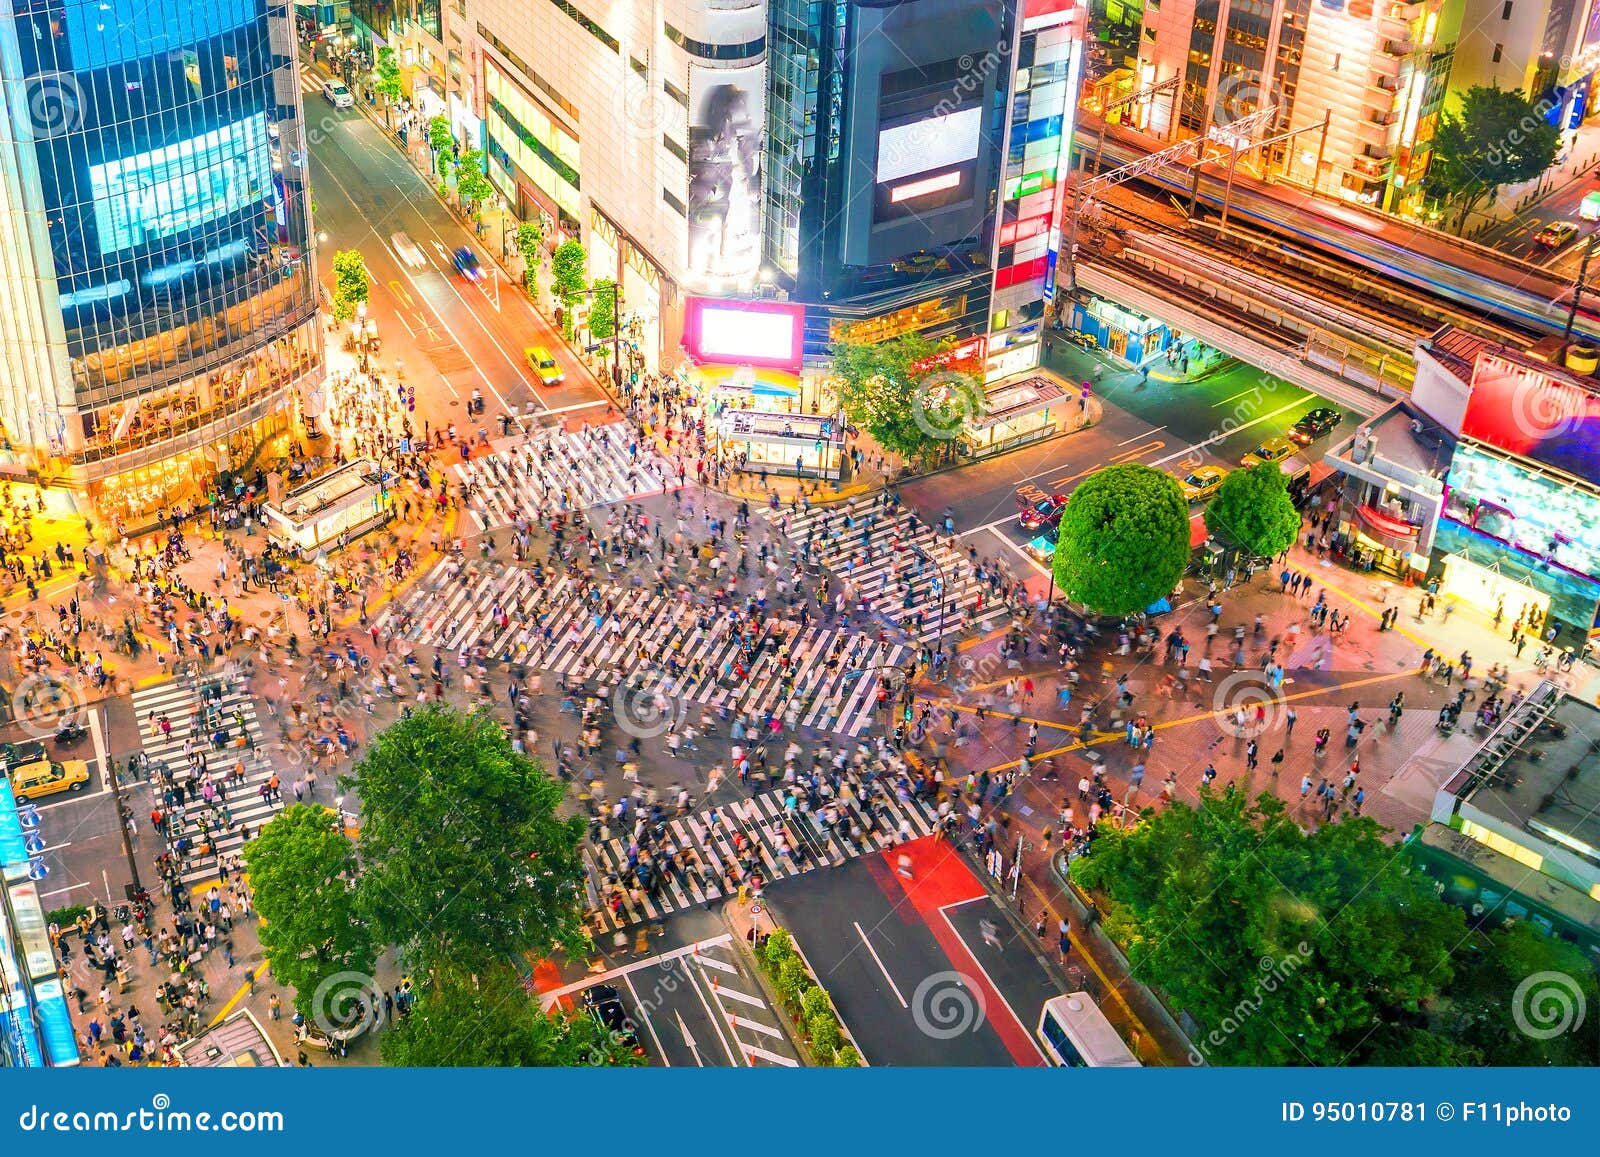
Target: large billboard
[
  {"x": 727, "y": 117},
  {"x": 1550, "y": 518},
  {"x": 754, "y": 333},
  {"x": 173, "y": 189},
  {"x": 1534, "y": 414}
]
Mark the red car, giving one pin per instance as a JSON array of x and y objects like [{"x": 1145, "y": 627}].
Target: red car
[{"x": 1044, "y": 513}]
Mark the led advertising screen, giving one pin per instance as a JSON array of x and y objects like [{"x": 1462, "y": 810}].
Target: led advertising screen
[
  {"x": 104, "y": 32},
  {"x": 937, "y": 142},
  {"x": 727, "y": 117},
  {"x": 755, "y": 333},
  {"x": 170, "y": 190},
  {"x": 1536, "y": 415},
  {"x": 1543, "y": 515}
]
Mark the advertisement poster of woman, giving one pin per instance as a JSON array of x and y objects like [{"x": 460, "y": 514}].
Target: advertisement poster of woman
[{"x": 724, "y": 197}]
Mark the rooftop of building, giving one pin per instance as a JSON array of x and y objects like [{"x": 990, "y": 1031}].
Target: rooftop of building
[
  {"x": 1460, "y": 351},
  {"x": 240, "y": 1042},
  {"x": 1539, "y": 772},
  {"x": 1404, "y": 436}
]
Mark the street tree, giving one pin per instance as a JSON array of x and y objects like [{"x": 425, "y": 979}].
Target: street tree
[
  {"x": 472, "y": 184},
  {"x": 351, "y": 284},
  {"x": 568, "y": 266},
  {"x": 386, "y": 80},
  {"x": 1252, "y": 509},
  {"x": 487, "y": 1020},
  {"x": 1498, "y": 137},
  {"x": 530, "y": 244},
  {"x": 603, "y": 310},
  {"x": 303, "y": 870},
  {"x": 903, "y": 396},
  {"x": 464, "y": 857},
  {"x": 442, "y": 142},
  {"x": 1123, "y": 542},
  {"x": 1287, "y": 948}
]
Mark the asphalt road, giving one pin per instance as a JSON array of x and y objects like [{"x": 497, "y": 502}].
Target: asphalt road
[
  {"x": 1516, "y": 237},
  {"x": 451, "y": 335},
  {"x": 1170, "y": 425},
  {"x": 906, "y": 962},
  {"x": 693, "y": 1000}
]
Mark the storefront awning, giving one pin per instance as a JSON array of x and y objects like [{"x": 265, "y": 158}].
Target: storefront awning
[{"x": 1386, "y": 529}]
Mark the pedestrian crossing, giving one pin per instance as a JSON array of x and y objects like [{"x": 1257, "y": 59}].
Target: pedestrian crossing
[
  {"x": 557, "y": 470},
  {"x": 874, "y": 553},
  {"x": 176, "y": 700},
  {"x": 649, "y": 645},
  {"x": 718, "y": 835}
]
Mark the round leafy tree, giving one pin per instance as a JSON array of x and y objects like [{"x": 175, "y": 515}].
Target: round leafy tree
[
  {"x": 1253, "y": 509},
  {"x": 1124, "y": 540}
]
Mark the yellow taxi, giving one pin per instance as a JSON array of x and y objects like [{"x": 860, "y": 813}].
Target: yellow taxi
[
  {"x": 543, "y": 363},
  {"x": 48, "y": 777},
  {"x": 1272, "y": 450},
  {"x": 1201, "y": 483}
]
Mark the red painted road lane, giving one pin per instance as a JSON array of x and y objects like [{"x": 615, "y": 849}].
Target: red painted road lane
[{"x": 941, "y": 879}]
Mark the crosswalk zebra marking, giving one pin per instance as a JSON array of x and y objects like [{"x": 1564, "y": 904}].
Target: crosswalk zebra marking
[
  {"x": 500, "y": 611},
  {"x": 554, "y": 466},
  {"x": 758, "y": 821}
]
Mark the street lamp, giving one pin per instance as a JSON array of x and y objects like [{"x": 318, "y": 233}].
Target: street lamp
[{"x": 944, "y": 591}]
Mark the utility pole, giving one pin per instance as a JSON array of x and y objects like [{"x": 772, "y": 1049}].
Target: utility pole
[{"x": 1580, "y": 285}]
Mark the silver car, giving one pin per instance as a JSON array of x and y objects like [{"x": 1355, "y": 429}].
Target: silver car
[{"x": 407, "y": 250}]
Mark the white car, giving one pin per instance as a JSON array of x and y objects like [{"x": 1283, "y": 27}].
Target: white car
[
  {"x": 408, "y": 250},
  {"x": 337, "y": 94}
]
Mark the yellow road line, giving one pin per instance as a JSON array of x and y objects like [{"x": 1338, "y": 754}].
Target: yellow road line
[
  {"x": 1108, "y": 736},
  {"x": 249, "y": 977}
]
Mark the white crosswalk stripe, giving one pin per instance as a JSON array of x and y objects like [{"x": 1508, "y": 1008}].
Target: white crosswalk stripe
[
  {"x": 886, "y": 570},
  {"x": 177, "y": 699},
  {"x": 555, "y": 470},
  {"x": 718, "y": 837},
  {"x": 556, "y": 629}
]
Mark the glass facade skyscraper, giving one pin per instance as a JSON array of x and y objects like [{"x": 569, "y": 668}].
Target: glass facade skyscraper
[{"x": 158, "y": 307}]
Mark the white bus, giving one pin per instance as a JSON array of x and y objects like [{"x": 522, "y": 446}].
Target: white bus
[{"x": 1076, "y": 1034}]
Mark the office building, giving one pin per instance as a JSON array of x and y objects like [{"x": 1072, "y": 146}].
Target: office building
[
  {"x": 158, "y": 310},
  {"x": 1376, "y": 70}
]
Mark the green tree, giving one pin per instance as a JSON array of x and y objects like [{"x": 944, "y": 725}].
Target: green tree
[
  {"x": 1287, "y": 948},
  {"x": 898, "y": 393},
  {"x": 386, "y": 80},
  {"x": 488, "y": 1021},
  {"x": 568, "y": 266},
  {"x": 530, "y": 244},
  {"x": 1514, "y": 979},
  {"x": 1124, "y": 539},
  {"x": 472, "y": 186},
  {"x": 464, "y": 857},
  {"x": 1252, "y": 508},
  {"x": 603, "y": 310},
  {"x": 351, "y": 284},
  {"x": 1498, "y": 137},
  {"x": 303, "y": 870},
  {"x": 440, "y": 137}
]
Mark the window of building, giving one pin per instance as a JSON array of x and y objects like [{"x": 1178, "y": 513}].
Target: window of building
[
  {"x": 675, "y": 92},
  {"x": 704, "y": 51},
  {"x": 532, "y": 77},
  {"x": 675, "y": 148},
  {"x": 589, "y": 26},
  {"x": 1499, "y": 49},
  {"x": 1505, "y": 10},
  {"x": 676, "y": 204}
]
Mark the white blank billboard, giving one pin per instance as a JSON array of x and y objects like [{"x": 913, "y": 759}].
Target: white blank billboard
[{"x": 937, "y": 142}]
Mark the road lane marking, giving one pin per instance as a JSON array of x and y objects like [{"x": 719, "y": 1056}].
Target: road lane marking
[
  {"x": 1220, "y": 435},
  {"x": 756, "y": 1001},
  {"x": 719, "y": 965},
  {"x": 648, "y": 1022},
  {"x": 579, "y": 406},
  {"x": 1037, "y": 565},
  {"x": 548, "y": 999},
  {"x": 716, "y": 1021},
  {"x": 786, "y": 1062},
  {"x": 878, "y": 960},
  {"x": 993, "y": 987},
  {"x": 756, "y": 1026},
  {"x": 1146, "y": 434}
]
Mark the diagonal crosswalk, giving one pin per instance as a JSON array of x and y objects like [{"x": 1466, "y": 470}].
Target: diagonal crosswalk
[
  {"x": 874, "y": 553},
  {"x": 729, "y": 835},
  {"x": 628, "y": 634},
  {"x": 177, "y": 699},
  {"x": 557, "y": 470}
]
